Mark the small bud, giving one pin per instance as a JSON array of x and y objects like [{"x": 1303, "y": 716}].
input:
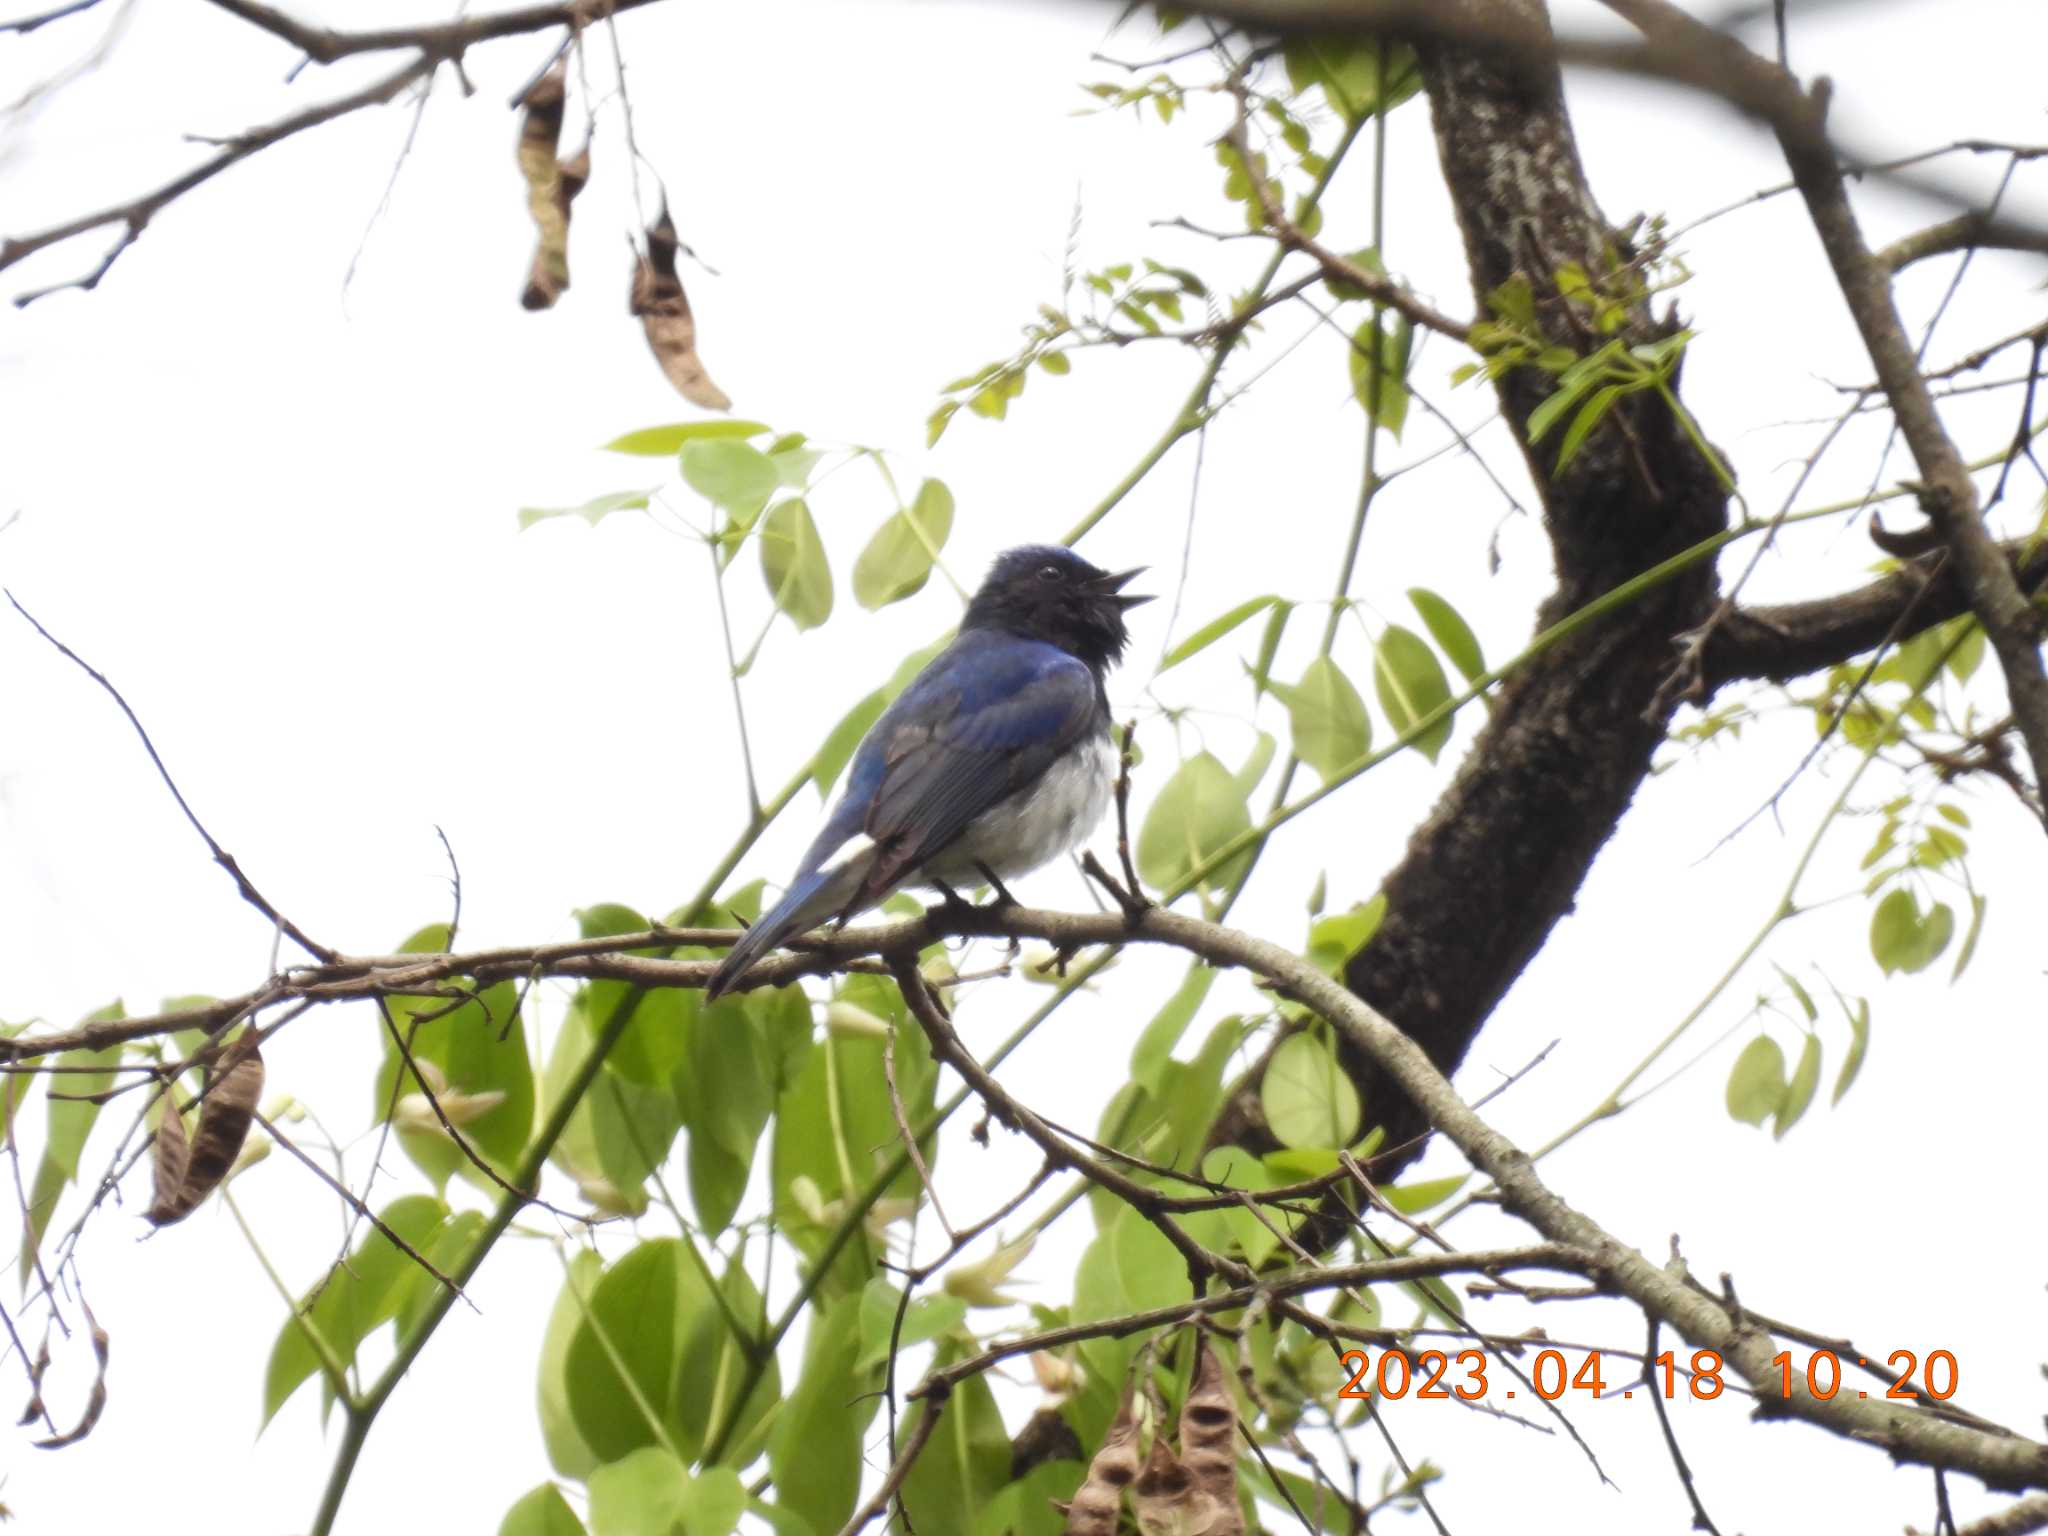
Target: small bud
[
  {"x": 809, "y": 1199},
  {"x": 979, "y": 1284},
  {"x": 606, "y": 1196},
  {"x": 849, "y": 1021},
  {"x": 1058, "y": 1378},
  {"x": 416, "y": 1113}
]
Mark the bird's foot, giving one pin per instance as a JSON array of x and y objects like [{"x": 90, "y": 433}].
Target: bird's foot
[
  {"x": 1002, "y": 897},
  {"x": 952, "y": 906}
]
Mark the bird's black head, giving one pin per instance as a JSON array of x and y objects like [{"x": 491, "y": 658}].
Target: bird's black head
[{"x": 1046, "y": 592}]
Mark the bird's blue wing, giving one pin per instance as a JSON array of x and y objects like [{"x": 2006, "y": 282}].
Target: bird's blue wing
[{"x": 990, "y": 714}]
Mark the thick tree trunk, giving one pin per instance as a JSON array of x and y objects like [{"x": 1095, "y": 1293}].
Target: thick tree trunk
[{"x": 1502, "y": 856}]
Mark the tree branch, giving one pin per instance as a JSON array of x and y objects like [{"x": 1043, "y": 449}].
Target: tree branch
[
  {"x": 447, "y": 41},
  {"x": 1791, "y": 640},
  {"x": 1800, "y": 121},
  {"x": 430, "y": 45},
  {"x": 1909, "y": 1434},
  {"x": 136, "y": 213},
  {"x": 1964, "y": 232}
]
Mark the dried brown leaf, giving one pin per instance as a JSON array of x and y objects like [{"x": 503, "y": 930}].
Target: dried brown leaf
[
  {"x": 96, "y": 1401},
  {"x": 664, "y": 312},
  {"x": 551, "y": 185},
  {"x": 173, "y": 1155},
  {"x": 1099, "y": 1500},
  {"x": 224, "y": 1118}
]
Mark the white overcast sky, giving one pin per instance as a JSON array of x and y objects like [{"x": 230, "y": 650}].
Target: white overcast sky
[{"x": 280, "y": 514}]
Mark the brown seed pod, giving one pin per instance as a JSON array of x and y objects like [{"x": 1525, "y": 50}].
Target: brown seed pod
[
  {"x": 225, "y": 1115},
  {"x": 664, "y": 311}
]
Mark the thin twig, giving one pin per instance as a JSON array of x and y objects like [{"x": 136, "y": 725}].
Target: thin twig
[{"x": 221, "y": 856}]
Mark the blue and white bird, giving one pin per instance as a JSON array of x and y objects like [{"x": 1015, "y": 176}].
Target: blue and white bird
[{"x": 995, "y": 760}]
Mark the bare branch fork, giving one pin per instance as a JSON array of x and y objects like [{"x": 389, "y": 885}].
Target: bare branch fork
[
  {"x": 431, "y": 46},
  {"x": 1799, "y": 119}
]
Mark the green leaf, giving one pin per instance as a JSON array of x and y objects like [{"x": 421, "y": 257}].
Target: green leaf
[
  {"x": 1386, "y": 405},
  {"x": 1255, "y": 1240},
  {"x": 834, "y": 1126},
  {"x": 1969, "y": 650},
  {"x": 638, "y": 1316},
  {"x": 1055, "y": 362},
  {"x": 1157, "y": 1040},
  {"x": 1859, "y": 1042},
  {"x": 1269, "y": 646},
  {"x": 1804, "y": 997},
  {"x": 1333, "y": 940},
  {"x": 1453, "y": 636},
  {"x": 657, "y": 1040},
  {"x": 1215, "y": 630},
  {"x": 1977, "y": 905},
  {"x": 1195, "y": 813},
  {"x": 70, "y": 1123},
  {"x": 1027, "y": 1506},
  {"x": 660, "y": 442},
  {"x": 793, "y": 562},
  {"x": 1350, "y": 71},
  {"x": 1756, "y": 1085},
  {"x": 898, "y": 559},
  {"x": 1894, "y": 929},
  {"x": 1367, "y": 258},
  {"x": 357, "y": 1296},
  {"x": 1799, "y": 1092},
  {"x": 480, "y": 1052},
  {"x": 593, "y": 512},
  {"x": 568, "y": 1454},
  {"x": 600, "y": 1148},
  {"x": 1902, "y": 938},
  {"x": 927, "y": 1318},
  {"x": 1255, "y": 764},
  {"x": 1551, "y": 409},
  {"x": 814, "y": 1451},
  {"x": 1590, "y": 415},
  {"x": 543, "y": 1512},
  {"x": 965, "y": 1463},
  {"x": 1326, "y": 717},
  {"x": 1307, "y": 1098},
  {"x": 725, "y": 1092},
  {"x": 730, "y": 474},
  {"x": 793, "y": 461},
  {"x": 1192, "y": 1092},
  {"x": 449, "y": 1245},
  {"x": 1410, "y": 683},
  {"x": 713, "y": 1363},
  {"x": 1935, "y": 932},
  {"x": 1426, "y": 1194},
  {"x": 651, "y": 1493},
  {"x": 1151, "y": 1273}
]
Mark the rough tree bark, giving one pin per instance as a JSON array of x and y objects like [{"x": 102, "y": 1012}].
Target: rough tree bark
[{"x": 1502, "y": 856}]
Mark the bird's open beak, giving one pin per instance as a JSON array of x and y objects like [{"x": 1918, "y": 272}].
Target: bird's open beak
[{"x": 1116, "y": 581}]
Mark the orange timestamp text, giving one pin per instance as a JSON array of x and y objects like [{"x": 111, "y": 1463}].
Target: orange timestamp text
[{"x": 1437, "y": 1374}]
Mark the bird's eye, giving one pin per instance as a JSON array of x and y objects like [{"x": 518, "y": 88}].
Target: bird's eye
[{"x": 1051, "y": 573}]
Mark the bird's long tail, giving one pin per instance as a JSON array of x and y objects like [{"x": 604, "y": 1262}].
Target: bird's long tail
[{"x": 811, "y": 900}]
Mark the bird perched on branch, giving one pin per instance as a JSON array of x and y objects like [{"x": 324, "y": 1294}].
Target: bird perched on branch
[{"x": 995, "y": 760}]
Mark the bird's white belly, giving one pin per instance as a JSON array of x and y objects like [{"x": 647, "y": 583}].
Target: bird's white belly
[{"x": 1038, "y": 823}]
